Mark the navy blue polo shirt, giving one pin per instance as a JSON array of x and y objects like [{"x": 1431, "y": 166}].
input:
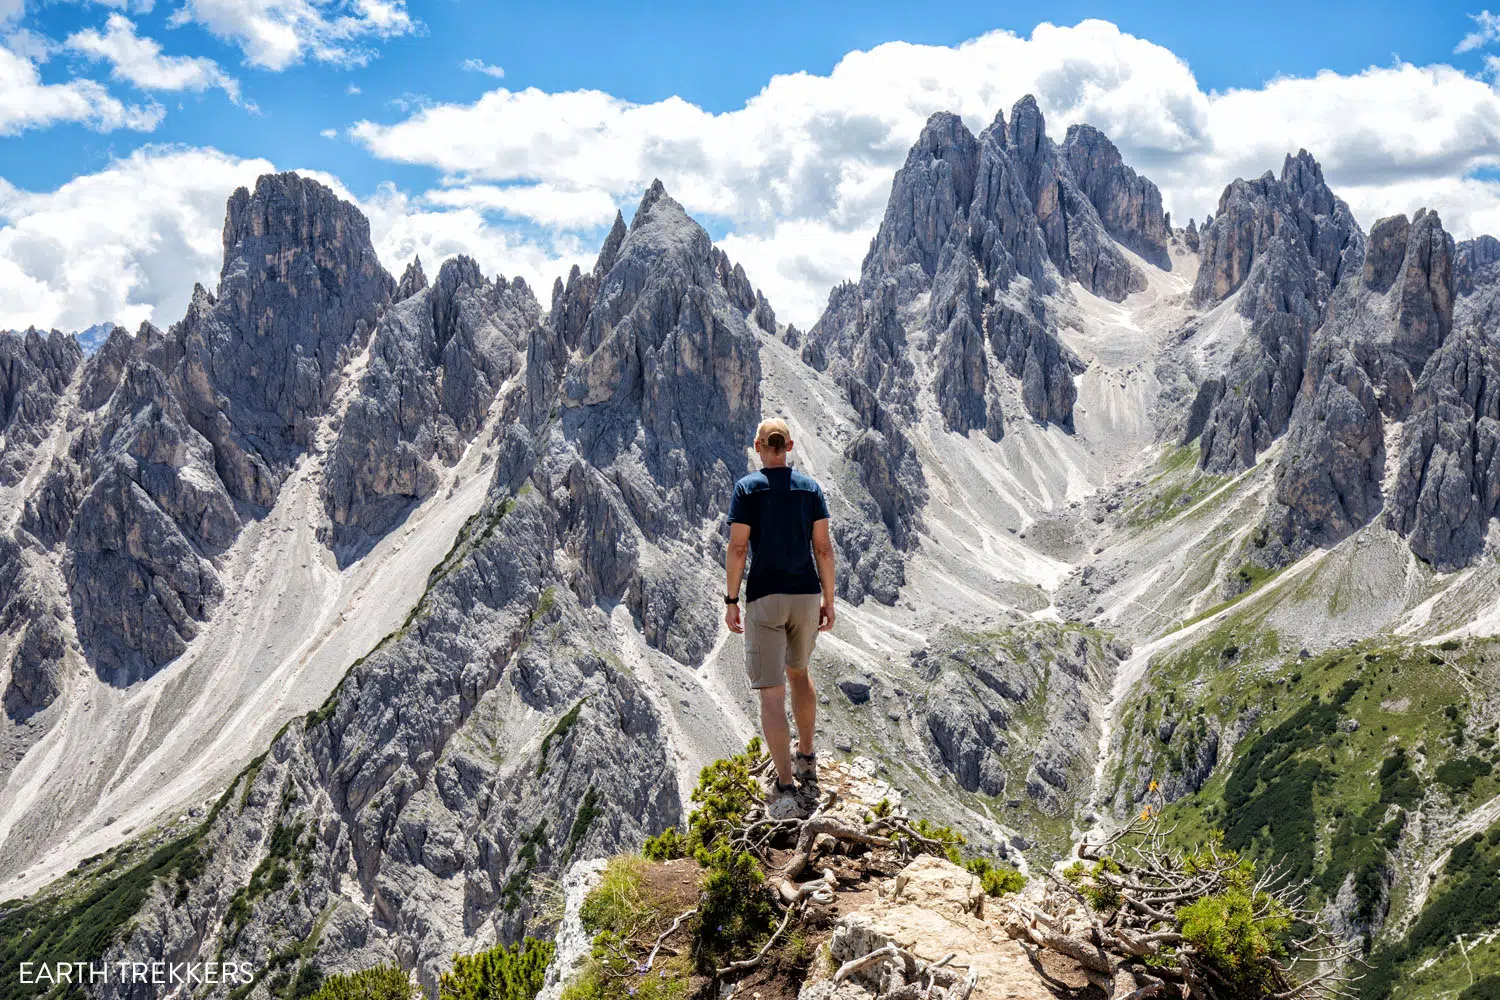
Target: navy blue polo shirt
[{"x": 780, "y": 505}]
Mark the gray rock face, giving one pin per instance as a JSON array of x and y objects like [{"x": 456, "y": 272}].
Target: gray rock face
[
  {"x": 35, "y": 370},
  {"x": 437, "y": 361},
  {"x": 413, "y": 280},
  {"x": 172, "y": 432},
  {"x": 1129, "y": 205},
  {"x": 1190, "y": 236},
  {"x": 1329, "y": 483},
  {"x": 30, "y": 611},
  {"x": 1076, "y": 239},
  {"x": 1284, "y": 244},
  {"x": 667, "y": 353},
  {"x": 986, "y": 227},
  {"x": 150, "y": 518},
  {"x": 1380, "y": 331},
  {"x": 299, "y": 292},
  {"x": 1448, "y": 483},
  {"x": 1252, "y": 213},
  {"x": 1475, "y": 264},
  {"x": 394, "y": 794}
]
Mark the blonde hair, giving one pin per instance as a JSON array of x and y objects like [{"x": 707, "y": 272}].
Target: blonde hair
[{"x": 773, "y": 434}]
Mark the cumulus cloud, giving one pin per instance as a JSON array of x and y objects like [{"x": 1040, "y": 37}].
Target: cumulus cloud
[
  {"x": 793, "y": 183},
  {"x": 127, "y": 243},
  {"x": 275, "y": 34},
  {"x": 480, "y": 66},
  {"x": 124, "y": 244},
  {"x": 404, "y": 227},
  {"x": 27, "y": 103},
  {"x": 139, "y": 61},
  {"x": 800, "y": 174},
  {"x": 544, "y": 204}
]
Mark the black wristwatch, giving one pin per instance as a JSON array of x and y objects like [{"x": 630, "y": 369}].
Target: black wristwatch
[{"x": 731, "y": 600}]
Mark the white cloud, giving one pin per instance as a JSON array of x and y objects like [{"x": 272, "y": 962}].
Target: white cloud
[
  {"x": 29, "y": 45},
  {"x": 480, "y": 66},
  {"x": 329, "y": 133},
  {"x": 1487, "y": 30},
  {"x": 26, "y": 102},
  {"x": 800, "y": 174},
  {"x": 127, "y": 243},
  {"x": 797, "y": 178},
  {"x": 403, "y": 228},
  {"x": 11, "y": 10},
  {"x": 124, "y": 244},
  {"x": 140, "y": 61},
  {"x": 544, "y": 204},
  {"x": 275, "y": 34},
  {"x": 352, "y": 90},
  {"x": 134, "y": 6}
]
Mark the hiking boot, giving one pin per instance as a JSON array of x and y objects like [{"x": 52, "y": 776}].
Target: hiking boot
[
  {"x": 805, "y": 766},
  {"x": 782, "y": 801}
]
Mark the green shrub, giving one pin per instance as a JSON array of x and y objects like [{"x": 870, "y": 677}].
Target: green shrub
[
  {"x": 383, "y": 982},
  {"x": 994, "y": 878},
  {"x": 734, "y": 912},
  {"x": 1225, "y": 929},
  {"x": 1460, "y": 773},
  {"x": 501, "y": 973},
  {"x": 1487, "y": 988},
  {"x": 666, "y": 846}
]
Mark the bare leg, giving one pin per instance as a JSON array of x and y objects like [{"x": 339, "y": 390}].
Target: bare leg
[
  {"x": 804, "y": 708},
  {"x": 778, "y": 733}
]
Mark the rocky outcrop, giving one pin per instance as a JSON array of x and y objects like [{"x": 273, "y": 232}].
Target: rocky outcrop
[
  {"x": 35, "y": 370},
  {"x": 663, "y": 351},
  {"x": 299, "y": 292},
  {"x": 1283, "y": 244},
  {"x": 413, "y": 280},
  {"x": 1448, "y": 482},
  {"x": 1474, "y": 265},
  {"x": 1076, "y": 239},
  {"x": 177, "y": 435},
  {"x": 986, "y": 227},
  {"x": 1380, "y": 331},
  {"x": 31, "y": 615},
  {"x": 140, "y": 543},
  {"x": 437, "y": 361},
  {"x": 1328, "y": 485},
  {"x": 1129, "y": 205}
]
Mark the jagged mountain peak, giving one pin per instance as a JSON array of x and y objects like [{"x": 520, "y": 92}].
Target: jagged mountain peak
[
  {"x": 654, "y": 193},
  {"x": 413, "y": 280},
  {"x": 611, "y": 248},
  {"x": 1028, "y": 126}
]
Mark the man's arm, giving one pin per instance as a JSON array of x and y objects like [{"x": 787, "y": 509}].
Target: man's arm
[
  {"x": 734, "y": 571},
  {"x": 823, "y": 553}
]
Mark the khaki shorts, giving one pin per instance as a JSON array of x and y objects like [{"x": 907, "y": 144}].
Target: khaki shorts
[{"x": 779, "y": 633}]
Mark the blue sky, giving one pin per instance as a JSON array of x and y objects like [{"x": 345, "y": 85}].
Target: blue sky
[{"x": 512, "y": 131}]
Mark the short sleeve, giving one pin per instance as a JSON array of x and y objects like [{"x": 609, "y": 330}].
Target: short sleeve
[
  {"x": 739, "y": 512},
  {"x": 820, "y": 506}
]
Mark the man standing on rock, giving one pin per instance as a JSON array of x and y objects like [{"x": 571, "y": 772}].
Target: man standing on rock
[{"x": 778, "y": 517}]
